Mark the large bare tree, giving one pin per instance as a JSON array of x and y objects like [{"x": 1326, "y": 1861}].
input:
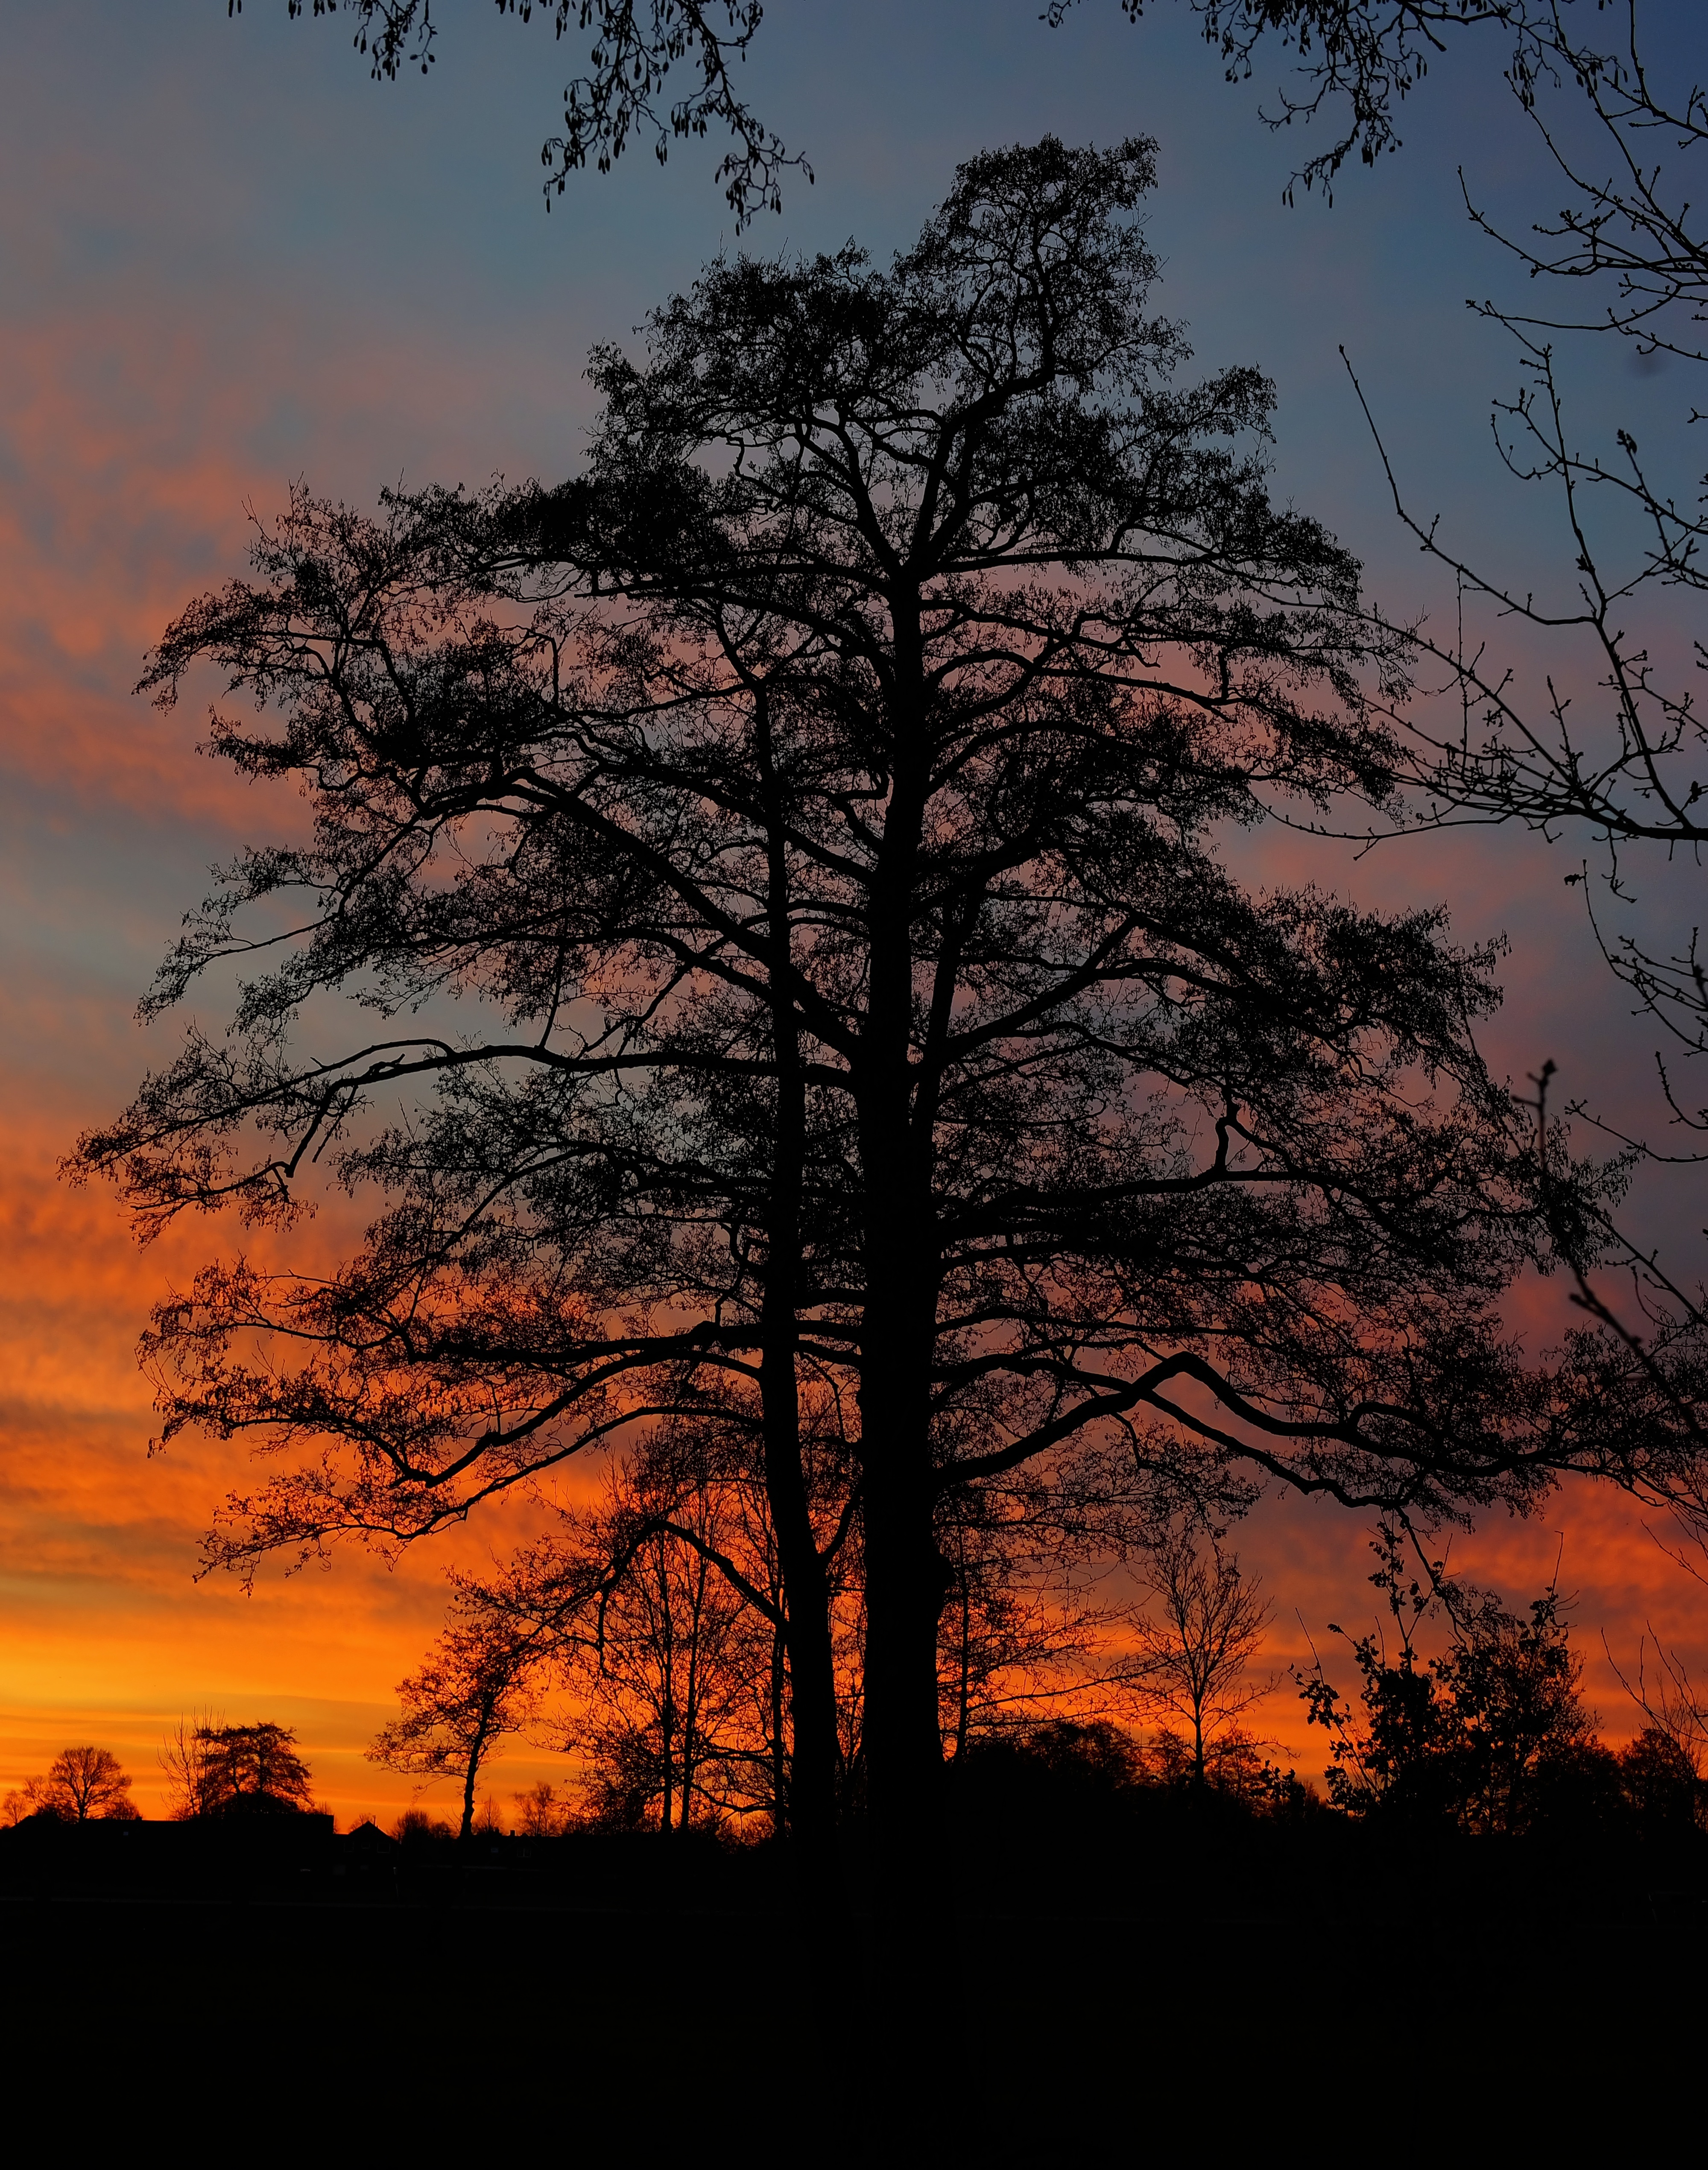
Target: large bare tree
[
  {"x": 818, "y": 803},
  {"x": 82, "y": 1785}
]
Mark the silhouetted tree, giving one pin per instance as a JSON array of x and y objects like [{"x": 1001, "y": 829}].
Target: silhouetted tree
[
  {"x": 1599, "y": 101},
  {"x": 824, "y": 792},
  {"x": 1668, "y": 1798},
  {"x": 1391, "y": 1756},
  {"x": 668, "y": 1700},
  {"x": 81, "y": 1784},
  {"x": 1196, "y": 1641},
  {"x": 1030, "y": 1786},
  {"x": 1606, "y": 750},
  {"x": 253, "y": 1769},
  {"x": 1668, "y": 1700},
  {"x": 1490, "y": 1734},
  {"x": 472, "y": 1689},
  {"x": 415, "y": 1827},
  {"x": 1018, "y": 1635},
  {"x": 659, "y": 1610},
  {"x": 540, "y": 1814},
  {"x": 1234, "y": 1766},
  {"x": 1515, "y": 1684},
  {"x": 185, "y": 1757}
]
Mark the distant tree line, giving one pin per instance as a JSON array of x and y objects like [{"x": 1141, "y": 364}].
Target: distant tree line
[
  {"x": 211, "y": 1770},
  {"x": 1489, "y": 1735}
]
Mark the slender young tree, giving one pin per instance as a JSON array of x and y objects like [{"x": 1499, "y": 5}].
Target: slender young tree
[
  {"x": 662, "y": 1674},
  {"x": 819, "y": 800},
  {"x": 472, "y": 1690},
  {"x": 657, "y": 1613},
  {"x": 1195, "y": 1646},
  {"x": 188, "y": 1760}
]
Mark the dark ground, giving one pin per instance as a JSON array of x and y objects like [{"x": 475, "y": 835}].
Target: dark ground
[{"x": 625, "y": 2000}]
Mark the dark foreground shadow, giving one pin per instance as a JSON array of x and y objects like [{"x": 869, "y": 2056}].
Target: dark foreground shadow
[{"x": 1211, "y": 1993}]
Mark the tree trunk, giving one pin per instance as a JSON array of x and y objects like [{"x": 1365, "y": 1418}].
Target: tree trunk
[
  {"x": 912, "y": 1906},
  {"x": 964, "y": 1700},
  {"x": 907, "y": 1583},
  {"x": 907, "y": 1579},
  {"x": 465, "y": 1832},
  {"x": 667, "y": 1735},
  {"x": 806, "y": 1587},
  {"x": 819, "y": 1907},
  {"x": 778, "y": 1765}
]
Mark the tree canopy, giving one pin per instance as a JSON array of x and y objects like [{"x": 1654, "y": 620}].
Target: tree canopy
[
  {"x": 251, "y": 1770},
  {"x": 80, "y": 1785}
]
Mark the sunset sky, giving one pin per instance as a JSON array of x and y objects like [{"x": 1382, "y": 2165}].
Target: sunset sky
[{"x": 227, "y": 260}]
